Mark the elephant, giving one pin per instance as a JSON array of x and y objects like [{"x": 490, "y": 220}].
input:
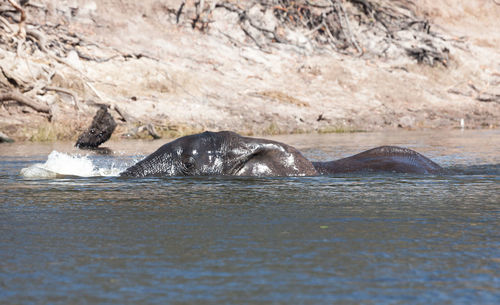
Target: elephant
[
  {"x": 223, "y": 153},
  {"x": 226, "y": 153},
  {"x": 381, "y": 159}
]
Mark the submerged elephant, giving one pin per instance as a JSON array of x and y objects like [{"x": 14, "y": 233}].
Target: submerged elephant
[
  {"x": 229, "y": 154},
  {"x": 381, "y": 159}
]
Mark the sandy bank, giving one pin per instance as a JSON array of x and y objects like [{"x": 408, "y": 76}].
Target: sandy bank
[{"x": 136, "y": 57}]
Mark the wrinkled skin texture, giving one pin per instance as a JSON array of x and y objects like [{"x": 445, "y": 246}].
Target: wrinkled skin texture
[
  {"x": 381, "y": 159},
  {"x": 226, "y": 153},
  {"x": 223, "y": 153}
]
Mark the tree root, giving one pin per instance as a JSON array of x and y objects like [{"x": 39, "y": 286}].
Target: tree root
[{"x": 346, "y": 26}]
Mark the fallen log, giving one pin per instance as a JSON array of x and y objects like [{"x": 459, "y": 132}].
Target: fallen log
[{"x": 18, "y": 97}]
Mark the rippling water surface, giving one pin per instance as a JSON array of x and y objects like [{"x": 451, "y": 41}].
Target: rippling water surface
[{"x": 348, "y": 239}]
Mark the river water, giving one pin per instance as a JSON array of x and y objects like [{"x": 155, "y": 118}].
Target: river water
[{"x": 346, "y": 239}]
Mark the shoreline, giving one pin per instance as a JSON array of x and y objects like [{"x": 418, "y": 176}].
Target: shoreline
[{"x": 154, "y": 70}]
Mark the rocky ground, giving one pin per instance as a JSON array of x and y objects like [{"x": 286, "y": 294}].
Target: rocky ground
[{"x": 248, "y": 67}]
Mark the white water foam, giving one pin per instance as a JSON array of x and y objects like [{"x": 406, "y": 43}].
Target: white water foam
[{"x": 61, "y": 164}]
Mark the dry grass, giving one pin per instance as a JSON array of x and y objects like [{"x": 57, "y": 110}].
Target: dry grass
[
  {"x": 338, "y": 129},
  {"x": 164, "y": 131},
  {"x": 50, "y": 132}
]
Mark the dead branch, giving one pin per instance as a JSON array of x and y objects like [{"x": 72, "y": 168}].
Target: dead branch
[
  {"x": 330, "y": 35},
  {"x": 179, "y": 12},
  {"x": 346, "y": 29},
  {"x": 244, "y": 18},
  {"x": 488, "y": 97},
  {"x": 93, "y": 58},
  {"x": 65, "y": 91},
  {"x": 483, "y": 96},
  {"x": 152, "y": 131},
  {"x": 125, "y": 116},
  {"x": 18, "y": 97},
  {"x": 6, "y": 24},
  {"x": 14, "y": 79},
  {"x": 150, "y": 128},
  {"x": 199, "y": 11},
  {"x": 22, "y": 27},
  {"x": 425, "y": 55},
  {"x": 39, "y": 38}
]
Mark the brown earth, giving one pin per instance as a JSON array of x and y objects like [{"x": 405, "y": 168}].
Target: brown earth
[{"x": 150, "y": 69}]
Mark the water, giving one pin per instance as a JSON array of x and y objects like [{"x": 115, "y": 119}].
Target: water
[{"x": 347, "y": 239}]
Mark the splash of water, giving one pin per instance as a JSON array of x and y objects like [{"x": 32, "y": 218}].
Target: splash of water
[{"x": 61, "y": 164}]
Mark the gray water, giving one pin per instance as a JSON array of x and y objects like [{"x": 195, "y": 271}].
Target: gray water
[{"x": 346, "y": 239}]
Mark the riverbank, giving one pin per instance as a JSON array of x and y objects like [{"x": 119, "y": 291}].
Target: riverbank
[{"x": 151, "y": 67}]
